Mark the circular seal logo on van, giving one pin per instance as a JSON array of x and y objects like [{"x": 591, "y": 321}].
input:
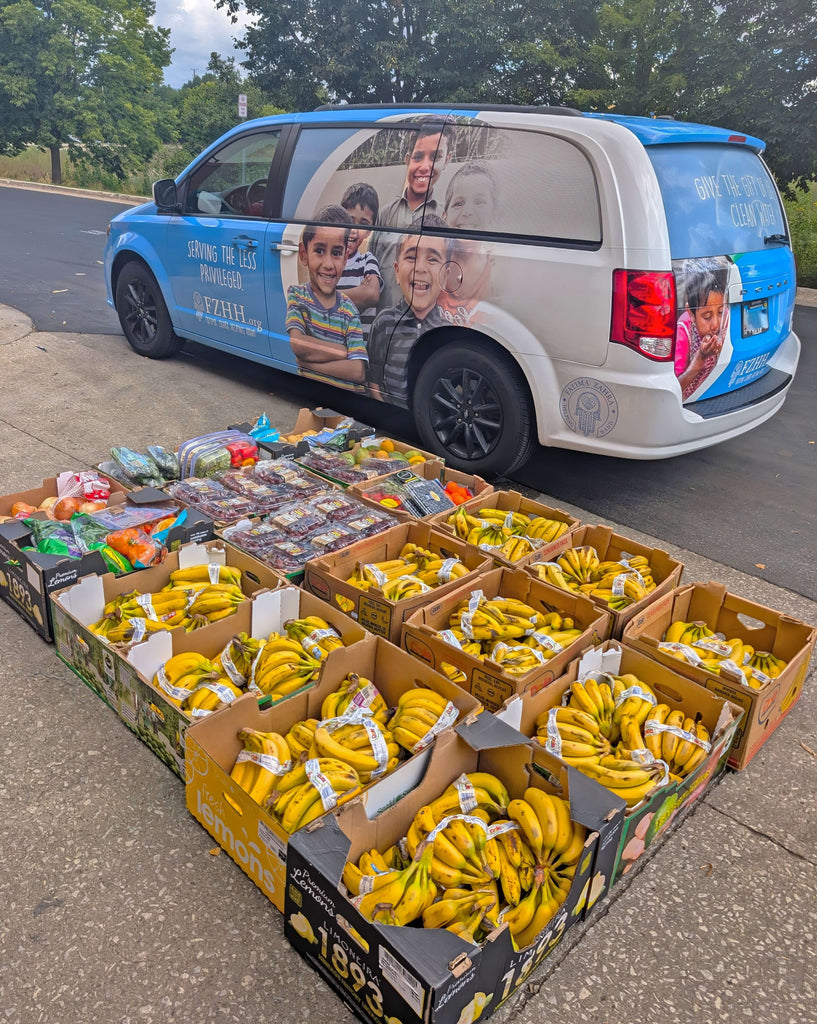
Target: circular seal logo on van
[{"x": 588, "y": 407}]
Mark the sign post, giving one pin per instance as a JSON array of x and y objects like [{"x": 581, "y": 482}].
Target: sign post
[{"x": 242, "y": 105}]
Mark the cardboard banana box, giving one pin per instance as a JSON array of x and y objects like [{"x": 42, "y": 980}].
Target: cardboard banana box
[
  {"x": 611, "y": 546},
  {"x": 414, "y": 974},
  {"x": 252, "y": 836},
  {"x": 512, "y": 502},
  {"x": 486, "y": 679},
  {"x": 328, "y": 576},
  {"x": 109, "y": 669},
  {"x": 644, "y": 822},
  {"x": 733, "y": 616}
]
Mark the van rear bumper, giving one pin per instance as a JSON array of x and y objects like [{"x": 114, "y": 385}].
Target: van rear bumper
[{"x": 639, "y": 414}]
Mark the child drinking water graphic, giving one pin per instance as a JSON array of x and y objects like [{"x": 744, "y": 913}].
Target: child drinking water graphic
[
  {"x": 470, "y": 205},
  {"x": 703, "y": 325}
]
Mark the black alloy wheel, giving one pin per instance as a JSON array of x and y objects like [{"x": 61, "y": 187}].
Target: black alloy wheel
[
  {"x": 471, "y": 404},
  {"x": 143, "y": 314}
]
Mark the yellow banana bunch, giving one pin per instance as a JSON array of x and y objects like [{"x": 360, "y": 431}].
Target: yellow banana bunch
[
  {"x": 498, "y": 618},
  {"x": 766, "y": 664},
  {"x": 514, "y": 534},
  {"x": 198, "y": 576},
  {"x": 597, "y": 699},
  {"x": 579, "y": 565},
  {"x": 311, "y": 789},
  {"x": 472, "y": 867},
  {"x": 282, "y": 667},
  {"x": 404, "y": 587},
  {"x": 545, "y": 530},
  {"x": 516, "y": 548},
  {"x": 456, "y": 857},
  {"x": 612, "y": 730},
  {"x": 630, "y": 780},
  {"x": 421, "y": 714},
  {"x": 552, "y": 573},
  {"x": 404, "y": 898},
  {"x": 556, "y": 843},
  {"x": 453, "y": 673},
  {"x": 359, "y": 741},
  {"x": 238, "y": 657},
  {"x": 516, "y": 659},
  {"x": 416, "y": 571},
  {"x": 301, "y": 739},
  {"x": 209, "y": 696},
  {"x": 355, "y": 692},
  {"x": 315, "y": 635},
  {"x": 129, "y": 630},
  {"x": 263, "y": 759},
  {"x": 680, "y": 741},
  {"x": 214, "y": 602},
  {"x": 472, "y": 790},
  {"x": 183, "y": 673},
  {"x": 489, "y": 535},
  {"x": 572, "y": 734},
  {"x": 618, "y": 583}
]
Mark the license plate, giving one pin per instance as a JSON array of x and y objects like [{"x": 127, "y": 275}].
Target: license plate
[{"x": 754, "y": 317}]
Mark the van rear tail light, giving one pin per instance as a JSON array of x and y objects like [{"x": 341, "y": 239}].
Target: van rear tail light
[{"x": 644, "y": 312}]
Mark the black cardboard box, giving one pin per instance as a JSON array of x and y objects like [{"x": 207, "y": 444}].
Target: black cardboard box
[{"x": 28, "y": 577}]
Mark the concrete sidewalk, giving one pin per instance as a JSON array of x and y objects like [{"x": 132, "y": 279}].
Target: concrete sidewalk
[{"x": 117, "y": 909}]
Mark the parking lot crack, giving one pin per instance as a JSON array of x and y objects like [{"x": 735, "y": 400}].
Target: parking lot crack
[{"x": 763, "y": 835}]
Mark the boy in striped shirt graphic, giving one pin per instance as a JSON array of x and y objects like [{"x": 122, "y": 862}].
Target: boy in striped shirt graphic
[{"x": 323, "y": 325}]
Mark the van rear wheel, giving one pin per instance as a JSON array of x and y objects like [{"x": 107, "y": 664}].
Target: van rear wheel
[{"x": 472, "y": 406}]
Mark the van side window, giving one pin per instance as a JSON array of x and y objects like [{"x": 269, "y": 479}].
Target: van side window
[
  {"x": 519, "y": 183},
  {"x": 327, "y": 162},
  {"x": 233, "y": 181}
]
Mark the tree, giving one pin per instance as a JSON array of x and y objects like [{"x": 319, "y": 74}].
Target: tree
[
  {"x": 304, "y": 52},
  {"x": 745, "y": 67},
  {"x": 762, "y": 79},
  {"x": 208, "y": 106},
  {"x": 81, "y": 74}
]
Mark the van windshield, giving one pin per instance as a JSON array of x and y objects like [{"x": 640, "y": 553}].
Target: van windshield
[{"x": 719, "y": 199}]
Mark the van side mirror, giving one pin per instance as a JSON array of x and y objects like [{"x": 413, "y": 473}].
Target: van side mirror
[{"x": 165, "y": 197}]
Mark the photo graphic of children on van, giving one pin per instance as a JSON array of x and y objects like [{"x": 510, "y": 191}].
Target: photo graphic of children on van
[
  {"x": 704, "y": 322},
  {"x": 323, "y": 325},
  {"x": 419, "y": 269},
  {"x": 470, "y": 205},
  {"x": 361, "y": 281},
  {"x": 429, "y": 149}
]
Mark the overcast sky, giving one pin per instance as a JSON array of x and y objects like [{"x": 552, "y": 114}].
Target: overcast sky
[{"x": 196, "y": 29}]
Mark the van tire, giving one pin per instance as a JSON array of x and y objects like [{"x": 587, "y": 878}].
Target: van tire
[
  {"x": 143, "y": 314},
  {"x": 492, "y": 440}
]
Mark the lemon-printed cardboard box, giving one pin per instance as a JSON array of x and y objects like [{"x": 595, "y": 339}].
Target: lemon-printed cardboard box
[
  {"x": 733, "y": 616},
  {"x": 411, "y": 974},
  {"x": 252, "y": 836},
  {"x": 666, "y": 803},
  {"x": 426, "y": 634},
  {"x": 112, "y": 670}
]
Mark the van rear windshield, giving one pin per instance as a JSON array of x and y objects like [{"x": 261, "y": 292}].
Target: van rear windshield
[{"x": 719, "y": 199}]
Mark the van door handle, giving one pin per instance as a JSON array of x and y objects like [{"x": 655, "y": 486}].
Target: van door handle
[
  {"x": 245, "y": 242},
  {"x": 288, "y": 248}
]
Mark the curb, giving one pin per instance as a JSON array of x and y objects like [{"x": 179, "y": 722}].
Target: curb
[{"x": 86, "y": 193}]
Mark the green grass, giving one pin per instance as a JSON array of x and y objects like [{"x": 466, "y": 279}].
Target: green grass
[{"x": 35, "y": 165}]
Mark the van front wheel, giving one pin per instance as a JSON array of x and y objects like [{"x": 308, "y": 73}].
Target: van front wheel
[
  {"x": 143, "y": 314},
  {"x": 471, "y": 405}
]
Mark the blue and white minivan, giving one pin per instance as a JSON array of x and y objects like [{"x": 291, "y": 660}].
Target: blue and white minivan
[{"x": 512, "y": 275}]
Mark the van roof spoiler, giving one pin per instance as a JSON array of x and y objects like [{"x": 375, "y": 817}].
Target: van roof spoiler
[{"x": 512, "y": 107}]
